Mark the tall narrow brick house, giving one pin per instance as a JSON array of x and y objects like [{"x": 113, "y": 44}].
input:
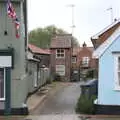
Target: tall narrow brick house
[{"x": 61, "y": 52}]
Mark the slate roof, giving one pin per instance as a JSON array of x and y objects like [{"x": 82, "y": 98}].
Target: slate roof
[
  {"x": 61, "y": 41},
  {"x": 38, "y": 50}
]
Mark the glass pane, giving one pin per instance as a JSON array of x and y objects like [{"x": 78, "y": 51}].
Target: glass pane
[
  {"x": 62, "y": 55},
  {"x": 58, "y": 51},
  {"x": 119, "y": 63},
  {"x": 58, "y": 55},
  {"x": 62, "y": 51},
  {"x": 1, "y": 83},
  {"x": 119, "y": 78}
]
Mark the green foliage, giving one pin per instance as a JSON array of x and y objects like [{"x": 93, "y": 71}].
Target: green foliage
[
  {"x": 41, "y": 37},
  {"x": 85, "y": 105},
  {"x": 90, "y": 74}
]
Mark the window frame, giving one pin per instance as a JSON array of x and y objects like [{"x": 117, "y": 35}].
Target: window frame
[
  {"x": 58, "y": 71},
  {"x": 116, "y": 65},
  {"x": 3, "y": 99},
  {"x": 85, "y": 61},
  {"x": 60, "y": 53},
  {"x": 74, "y": 60}
]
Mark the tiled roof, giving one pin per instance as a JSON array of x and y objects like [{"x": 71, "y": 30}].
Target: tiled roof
[
  {"x": 78, "y": 49},
  {"x": 91, "y": 48},
  {"x": 38, "y": 50},
  {"x": 61, "y": 41}
]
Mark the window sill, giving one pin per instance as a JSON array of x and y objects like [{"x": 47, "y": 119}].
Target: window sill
[
  {"x": 60, "y": 57},
  {"x": 117, "y": 88},
  {"x": 2, "y": 99}
]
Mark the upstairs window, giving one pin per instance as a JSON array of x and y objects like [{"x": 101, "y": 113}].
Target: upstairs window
[
  {"x": 85, "y": 61},
  {"x": 60, "y": 53},
  {"x": 74, "y": 59}
]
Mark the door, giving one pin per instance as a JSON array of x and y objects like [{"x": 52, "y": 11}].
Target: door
[{"x": 2, "y": 87}]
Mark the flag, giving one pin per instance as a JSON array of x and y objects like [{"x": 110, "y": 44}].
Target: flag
[
  {"x": 10, "y": 10},
  {"x": 12, "y": 14},
  {"x": 17, "y": 27}
]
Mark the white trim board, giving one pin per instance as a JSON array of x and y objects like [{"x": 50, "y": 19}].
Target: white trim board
[
  {"x": 104, "y": 30},
  {"x": 102, "y": 48}
]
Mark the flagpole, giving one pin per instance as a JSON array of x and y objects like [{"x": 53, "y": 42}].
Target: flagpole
[
  {"x": 6, "y": 19},
  {"x": 73, "y": 25}
]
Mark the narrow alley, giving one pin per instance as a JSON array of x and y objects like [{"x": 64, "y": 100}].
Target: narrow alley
[{"x": 63, "y": 101}]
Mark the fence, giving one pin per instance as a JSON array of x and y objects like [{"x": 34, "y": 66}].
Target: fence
[{"x": 37, "y": 77}]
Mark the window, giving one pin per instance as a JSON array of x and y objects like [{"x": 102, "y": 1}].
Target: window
[
  {"x": 2, "y": 84},
  {"x": 60, "y": 69},
  {"x": 117, "y": 72},
  {"x": 85, "y": 61},
  {"x": 74, "y": 59},
  {"x": 60, "y": 53}
]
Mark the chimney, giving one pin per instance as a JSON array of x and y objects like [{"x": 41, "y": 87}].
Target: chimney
[{"x": 84, "y": 44}]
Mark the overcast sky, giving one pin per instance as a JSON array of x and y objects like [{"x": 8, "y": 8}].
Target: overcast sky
[{"x": 90, "y": 16}]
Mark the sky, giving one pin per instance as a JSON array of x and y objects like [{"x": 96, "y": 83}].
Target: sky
[{"x": 90, "y": 16}]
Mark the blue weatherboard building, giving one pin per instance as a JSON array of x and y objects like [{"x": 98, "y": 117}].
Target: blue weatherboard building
[{"x": 108, "y": 55}]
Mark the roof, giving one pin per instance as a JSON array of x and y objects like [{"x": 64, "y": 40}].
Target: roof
[
  {"x": 105, "y": 29},
  {"x": 38, "y": 50},
  {"x": 78, "y": 49},
  {"x": 91, "y": 48},
  {"x": 104, "y": 46},
  {"x": 88, "y": 48},
  {"x": 61, "y": 41},
  {"x": 30, "y": 56}
]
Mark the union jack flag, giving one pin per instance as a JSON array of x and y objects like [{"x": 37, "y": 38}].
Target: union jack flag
[
  {"x": 17, "y": 27},
  {"x": 12, "y": 14},
  {"x": 10, "y": 10}
]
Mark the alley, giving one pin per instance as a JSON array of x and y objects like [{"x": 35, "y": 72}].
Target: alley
[{"x": 63, "y": 101}]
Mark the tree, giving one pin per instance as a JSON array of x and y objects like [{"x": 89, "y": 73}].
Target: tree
[{"x": 41, "y": 37}]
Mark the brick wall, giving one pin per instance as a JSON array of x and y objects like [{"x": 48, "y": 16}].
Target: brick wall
[
  {"x": 85, "y": 52},
  {"x": 61, "y": 61}
]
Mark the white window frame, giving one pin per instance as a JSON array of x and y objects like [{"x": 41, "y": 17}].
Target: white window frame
[
  {"x": 3, "y": 99},
  {"x": 116, "y": 79},
  {"x": 60, "y": 69},
  {"x": 74, "y": 59},
  {"x": 60, "y": 53},
  {"x": 85, "y": 60}
]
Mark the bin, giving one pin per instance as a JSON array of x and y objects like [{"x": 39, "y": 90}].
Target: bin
[{"x": 90, "y": 88}]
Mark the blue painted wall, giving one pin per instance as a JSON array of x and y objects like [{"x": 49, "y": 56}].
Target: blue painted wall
[{"x": 107, "y": 95}]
